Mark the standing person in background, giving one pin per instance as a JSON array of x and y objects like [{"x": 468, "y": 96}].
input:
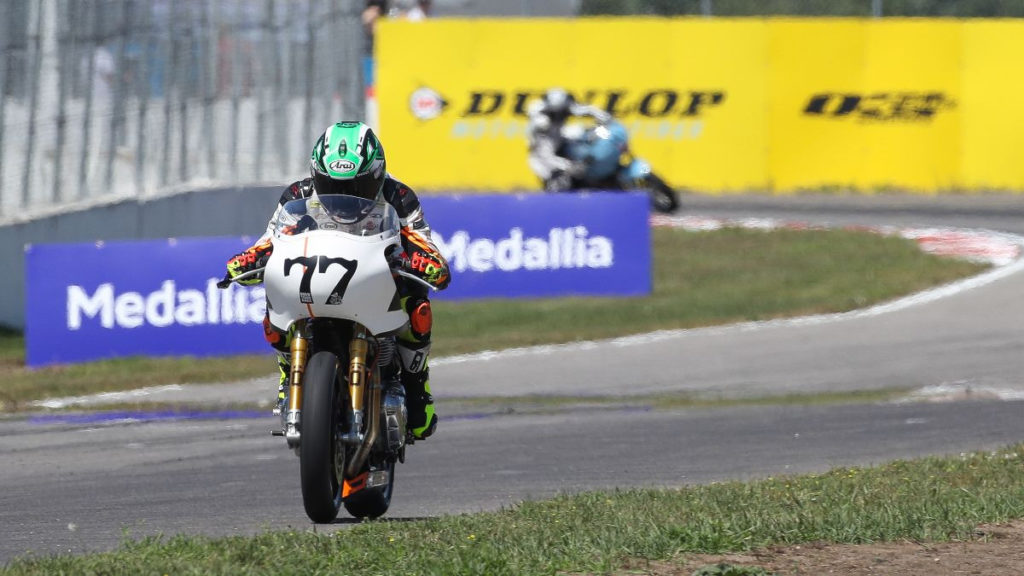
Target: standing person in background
[
  {"x": 414, "y": 10},
  {"x": 103, "y": 69},
  {"x": 373, "y": 11}
]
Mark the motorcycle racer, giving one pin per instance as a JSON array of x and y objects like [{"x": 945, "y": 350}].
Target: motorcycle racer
[
  {"x": 544, "y": 130},
  {"x": 349, "y": 159}
]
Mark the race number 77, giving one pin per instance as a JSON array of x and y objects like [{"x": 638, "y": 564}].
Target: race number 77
[{"x": 320, "y": 264}]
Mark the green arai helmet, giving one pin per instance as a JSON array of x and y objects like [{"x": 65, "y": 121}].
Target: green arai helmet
[{"x": 348, "y": 159}]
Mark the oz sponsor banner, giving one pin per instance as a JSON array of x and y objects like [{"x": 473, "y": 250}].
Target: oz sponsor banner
[
  {"x": 543, "y": 245},
  {"x": 867, "y": 104},
  {"x": 159, "y": 297},
  {"x": 155, "y": 298}
]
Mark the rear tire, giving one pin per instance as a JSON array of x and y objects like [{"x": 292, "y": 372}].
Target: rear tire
[
  {"x": 321, "y": 455},
  {"x": 373, "y": 502},
  {"x": 663, "y": 198}
]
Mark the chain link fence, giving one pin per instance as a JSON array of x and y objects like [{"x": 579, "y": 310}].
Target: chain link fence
[
  {"x": 109, "y": 99},
  {"x": 876, "y": 8},
  {"x": 106, "y": 99}
]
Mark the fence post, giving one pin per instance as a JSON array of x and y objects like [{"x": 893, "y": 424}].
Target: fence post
[
  {"x": 236, "y": 95},
  {"x": 183, "y": 96},
  {"x": 4, "y": 57},
  {"x": 207, "y": 92},
  {"x": 170, "y": 54},
  {"x": 144, "y": 82},
  {"x": 36, "y": 41},
  {"x": 65, "y": 36},
  {"x": 310, "y": 89},
  {"x": 117, "y": 96}
]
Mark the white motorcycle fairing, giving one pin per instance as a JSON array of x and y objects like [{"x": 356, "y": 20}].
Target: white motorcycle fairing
[{"x": 329, "y": 273}]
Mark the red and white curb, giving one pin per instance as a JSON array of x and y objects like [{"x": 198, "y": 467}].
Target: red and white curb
[
  {"x": 961, "y": 390},
  {"x": 996, "y": 248}
]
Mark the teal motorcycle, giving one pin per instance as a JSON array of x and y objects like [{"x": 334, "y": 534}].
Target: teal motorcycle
[{"x": 603, "y": 152}]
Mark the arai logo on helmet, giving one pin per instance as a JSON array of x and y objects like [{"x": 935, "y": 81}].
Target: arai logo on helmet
[
  {"x": 426, "y": 104},
  {"x": 342, "y": 166}
]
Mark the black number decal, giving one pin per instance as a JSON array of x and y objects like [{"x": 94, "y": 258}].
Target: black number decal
[
  {"x": 321, "y": 264},
  {"x": 305, "y": 295},
  {"x": 350, "y": 270}
]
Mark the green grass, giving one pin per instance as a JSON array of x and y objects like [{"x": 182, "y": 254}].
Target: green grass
[
  {"x": 700, "y": 279},
  {"x": 551, "y": 404},
  {"x": 710, "y": 278},
  {"x": 932, "y": 499}
]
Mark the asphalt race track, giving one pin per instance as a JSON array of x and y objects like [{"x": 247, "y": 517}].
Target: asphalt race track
[{"x": 77, "y": 484}]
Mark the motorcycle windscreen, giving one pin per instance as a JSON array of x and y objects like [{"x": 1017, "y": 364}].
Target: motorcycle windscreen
[
  {"x": 327, "y": 274},
  {"x": 343, "y": 214}
]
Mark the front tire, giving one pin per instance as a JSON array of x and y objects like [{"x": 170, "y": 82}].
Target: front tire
[
  {"x": 321, "y": 455},
  {"x": 663, "y": 197}
]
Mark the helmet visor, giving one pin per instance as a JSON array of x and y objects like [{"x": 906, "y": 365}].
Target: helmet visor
[{"x": 362, "y": 186}]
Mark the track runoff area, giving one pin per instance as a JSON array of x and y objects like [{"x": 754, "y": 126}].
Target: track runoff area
[{"x": 1003, "y": 251}]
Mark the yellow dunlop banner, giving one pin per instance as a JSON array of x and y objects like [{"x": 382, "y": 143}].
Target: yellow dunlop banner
[
  {"x": 715, "y": 105},
  {"x": 992, "y": 137}
]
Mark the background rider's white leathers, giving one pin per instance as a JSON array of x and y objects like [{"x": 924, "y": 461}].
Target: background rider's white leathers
[{"x": 546, "y": 131}]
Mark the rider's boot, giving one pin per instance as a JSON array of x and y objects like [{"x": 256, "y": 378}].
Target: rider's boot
[
  {"x": 413, "y": 351},
  {"x": 285, "y": 367},
  {"x": 278, "y": 339},
  {"x": 422, "y": 419}
]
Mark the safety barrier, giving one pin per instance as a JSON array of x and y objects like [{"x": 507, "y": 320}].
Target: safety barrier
[
  {"x": 717, "y": 105},
  {"x": 87, "y": 301}
]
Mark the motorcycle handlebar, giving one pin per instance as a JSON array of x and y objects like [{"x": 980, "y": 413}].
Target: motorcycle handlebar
[
  {"x": 415, "y": 278},
  {"x": 227, "y": 280}
]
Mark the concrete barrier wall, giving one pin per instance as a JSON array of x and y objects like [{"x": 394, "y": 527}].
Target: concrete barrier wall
[{"x": 219, "y": 212}]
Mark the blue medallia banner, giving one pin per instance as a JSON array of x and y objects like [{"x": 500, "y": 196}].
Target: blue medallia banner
[
  {"x": 159, "y": 297},
  {"x": 151, "y": 298},
  {"x": 596, "y": 244}
]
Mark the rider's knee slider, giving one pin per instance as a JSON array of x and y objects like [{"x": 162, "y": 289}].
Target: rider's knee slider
[{"x": 421, "y": 318}]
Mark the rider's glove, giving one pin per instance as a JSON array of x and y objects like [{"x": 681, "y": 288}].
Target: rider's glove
[
  {"x": 578, "y": 169},
  {"x": 253, "y": 258},
  {"x": 430, "y": 267}
]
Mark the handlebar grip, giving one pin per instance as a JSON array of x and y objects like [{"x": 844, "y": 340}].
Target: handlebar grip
[{"x": 228, "y": 279}]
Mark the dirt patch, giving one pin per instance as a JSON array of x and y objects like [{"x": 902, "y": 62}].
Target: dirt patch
[{"x": 998, "y": 550}]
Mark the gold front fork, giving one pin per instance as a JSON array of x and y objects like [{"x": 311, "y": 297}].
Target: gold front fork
[
  {"x": 300, "y": 353},
  {"x": 357, "y": 376},
  {"x": 293, "y": 417}
]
